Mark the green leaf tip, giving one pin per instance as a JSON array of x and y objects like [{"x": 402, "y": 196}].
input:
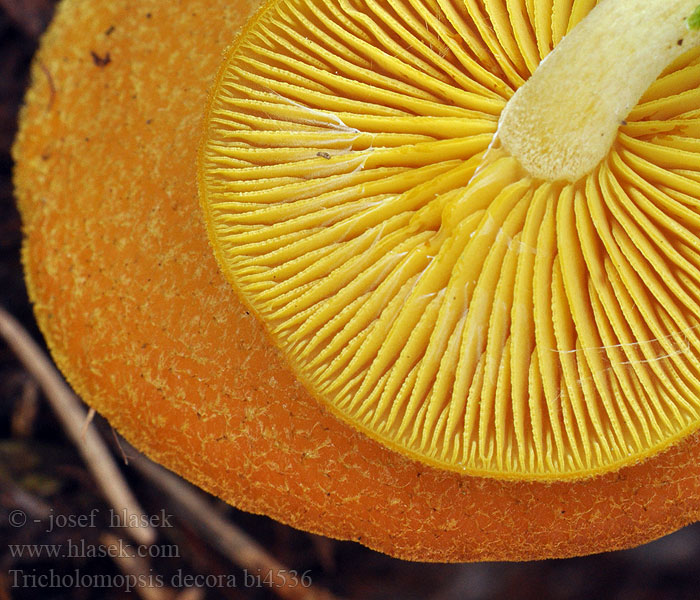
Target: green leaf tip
[{"x": 694, "y": 19}]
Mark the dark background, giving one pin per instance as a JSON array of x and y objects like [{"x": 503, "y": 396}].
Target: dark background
[{"x": 38, "y": 464}]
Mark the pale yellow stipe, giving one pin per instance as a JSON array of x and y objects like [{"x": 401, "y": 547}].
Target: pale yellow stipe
[
  {"x": 563, "y": 121},
  {"x": 420, "y": 282}
]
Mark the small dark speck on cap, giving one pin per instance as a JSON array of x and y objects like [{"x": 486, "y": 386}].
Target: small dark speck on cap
[{"x": 100, "y": 61}]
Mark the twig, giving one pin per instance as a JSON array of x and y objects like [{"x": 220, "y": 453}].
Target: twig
[
  {"x": 89, "y": 418},
  {"x": 4, "y": 588},
  {"x": 141, "y": 576},
  {"x": 125, "y": 458},
  {"x": 52, "y": 85},
  {"x": 35, "y": 507},
  {"x": 233, "y": 543},
  {"x": 72, "y": 415},
  {"x": 26, "y": 410},
  {"x": 32, "y": 17},
  {"x": 192, "y": 593}
]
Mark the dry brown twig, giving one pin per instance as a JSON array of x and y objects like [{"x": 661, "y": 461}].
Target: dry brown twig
[
  {"x": 26, "y": 409},
  {"x": 88, "y": 420},
  {"x": 73, "y": 416},
  {"x": 139, "y": 569},
  {"x": 31, "y": 16},
  {"x": 4, "y": 588},
  {"x": 192, "y": 593},
  {"x": 222, "y": 535}
]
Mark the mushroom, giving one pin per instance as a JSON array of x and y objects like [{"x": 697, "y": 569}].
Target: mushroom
[
  {"x": 478, "y": 311},
  {"x": 149, "y": 332}
]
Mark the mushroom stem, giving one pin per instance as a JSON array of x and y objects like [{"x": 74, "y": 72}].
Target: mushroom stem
[{"x": 563, "y": 121}]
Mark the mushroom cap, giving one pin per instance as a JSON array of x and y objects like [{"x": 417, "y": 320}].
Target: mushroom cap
[
  {"x": 418, "y": 280},
  {"x": 146, "y": 329}
]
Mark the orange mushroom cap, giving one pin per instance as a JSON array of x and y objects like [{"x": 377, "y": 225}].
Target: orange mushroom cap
[{"x": 147, "y": 330}]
